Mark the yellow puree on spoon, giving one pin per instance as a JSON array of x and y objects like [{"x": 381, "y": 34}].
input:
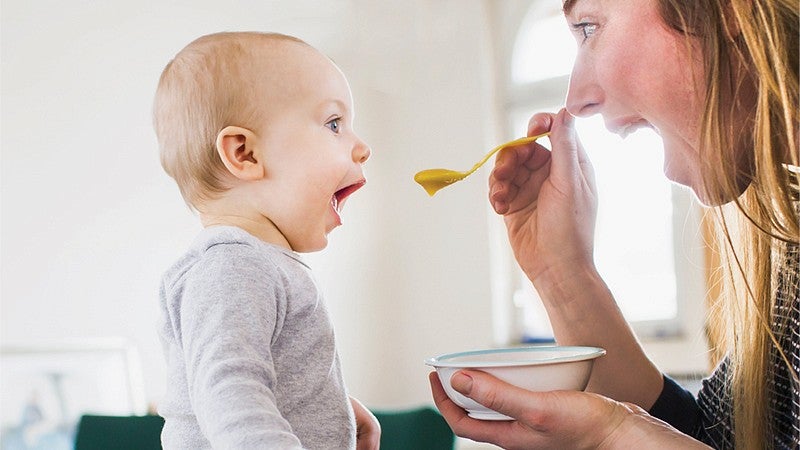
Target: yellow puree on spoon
[{"x": 434, "y": 179}]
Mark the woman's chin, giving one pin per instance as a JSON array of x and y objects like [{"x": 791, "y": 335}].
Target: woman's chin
[
  {"x": 685, "y": 179},
  {"x": 711, "y": 201},
  {"x": 705, "y": 200}
]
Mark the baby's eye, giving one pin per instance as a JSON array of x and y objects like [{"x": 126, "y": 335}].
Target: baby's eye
[
  {"x": 333, "y": 124},
  {"x": 585, "y": 28}
]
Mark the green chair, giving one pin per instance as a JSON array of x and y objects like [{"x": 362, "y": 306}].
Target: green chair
[
  {"x": 420, "y": 428},
  {"x": 119, "y": 433}
]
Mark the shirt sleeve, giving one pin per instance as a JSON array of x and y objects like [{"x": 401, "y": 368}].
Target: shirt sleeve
[
  {"x": 233, "y": 305},
  {"x": 678, "y": 407}
]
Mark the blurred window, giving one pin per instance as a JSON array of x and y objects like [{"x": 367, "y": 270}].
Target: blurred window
[{"x": 643, "y": 220}]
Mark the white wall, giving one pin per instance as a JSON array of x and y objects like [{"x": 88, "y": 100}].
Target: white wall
[{"x": 89, "y": 220}]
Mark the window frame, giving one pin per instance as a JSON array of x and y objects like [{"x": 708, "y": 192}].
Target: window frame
[{"x": 678, "y": 345}]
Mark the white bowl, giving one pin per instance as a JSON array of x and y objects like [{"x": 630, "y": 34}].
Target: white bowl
[{"x": 543, "y": 368}]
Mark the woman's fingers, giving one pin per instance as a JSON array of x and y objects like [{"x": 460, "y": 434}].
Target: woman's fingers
[
  {"x": 554, "y": 419},
  {"x": 570, "y": 163},
  {"x": 460, "y": 422},
  {"x": 540, "y": 123},
  {"x": 449, "y": 410},
  {"x": 501, "y": 188},
  {"x": 495, "y": 394},
  {"x": 564, "y": 134},
  {"x": 510, "y": 183},
  {"x": 514, "y": 170}
]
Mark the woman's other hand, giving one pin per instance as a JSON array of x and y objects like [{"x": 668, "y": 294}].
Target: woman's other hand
[
  {"x": 556, "y": 419},
  {"x": 548, "y": 198}
]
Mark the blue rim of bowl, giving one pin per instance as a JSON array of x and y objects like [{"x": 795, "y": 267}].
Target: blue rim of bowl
[{"x": 584, "y": 354}]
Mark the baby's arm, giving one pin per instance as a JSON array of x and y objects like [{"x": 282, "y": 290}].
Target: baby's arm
[
  {"x": 368, "y": 429},
  {"x": 229, "y": 316}
]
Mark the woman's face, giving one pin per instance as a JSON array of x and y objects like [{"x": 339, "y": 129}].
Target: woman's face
[{"x": 637, "y": 72}]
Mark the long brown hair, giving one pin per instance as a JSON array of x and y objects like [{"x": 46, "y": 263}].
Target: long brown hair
[{"x": 750, "y": 51}]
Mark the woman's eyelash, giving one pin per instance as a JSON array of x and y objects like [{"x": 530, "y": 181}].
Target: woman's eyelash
[{"x": 585, "y": 28}]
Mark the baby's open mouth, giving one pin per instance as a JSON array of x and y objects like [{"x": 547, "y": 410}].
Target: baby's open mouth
[{"x": 339, "y": 196}]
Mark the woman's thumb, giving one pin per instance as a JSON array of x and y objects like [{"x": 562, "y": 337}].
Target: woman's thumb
[
  {"x": 565, "y": 151},
  {"x": 493, "y": 393}
]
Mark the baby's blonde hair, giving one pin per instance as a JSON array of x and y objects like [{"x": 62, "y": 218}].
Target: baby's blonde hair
[{"x": 209, "y": 85}]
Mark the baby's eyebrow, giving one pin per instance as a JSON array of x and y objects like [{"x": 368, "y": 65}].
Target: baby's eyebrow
[{"x": 336, "y": 102}]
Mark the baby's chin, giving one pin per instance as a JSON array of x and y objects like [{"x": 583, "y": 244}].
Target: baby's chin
[{"x": 310, "y": 245}]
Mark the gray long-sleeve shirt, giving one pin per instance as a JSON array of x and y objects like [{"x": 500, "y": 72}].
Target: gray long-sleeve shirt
[{"x": 251, "y": 357}]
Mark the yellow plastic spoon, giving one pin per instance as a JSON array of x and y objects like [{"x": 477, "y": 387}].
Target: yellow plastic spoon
[{"x": 434, "y": 179}]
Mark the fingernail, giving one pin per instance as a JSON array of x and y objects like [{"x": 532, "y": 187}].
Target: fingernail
[{"x": 461, "y": 382}]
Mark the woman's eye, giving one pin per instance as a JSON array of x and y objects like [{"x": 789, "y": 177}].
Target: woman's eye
[
  {"x": 333, "y": 124},
  {"x": 585, "y": 28}
]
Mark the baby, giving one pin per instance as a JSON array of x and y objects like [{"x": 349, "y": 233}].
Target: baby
[{"x": 257, "y": 131}]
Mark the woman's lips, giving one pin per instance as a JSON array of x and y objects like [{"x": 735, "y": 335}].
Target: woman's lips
[{"x": 627, "y": 126}]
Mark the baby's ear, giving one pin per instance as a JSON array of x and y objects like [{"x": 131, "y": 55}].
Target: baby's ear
[{"x": 236, "y": 148}]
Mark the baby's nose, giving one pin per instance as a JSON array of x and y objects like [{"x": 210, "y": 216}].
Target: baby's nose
[{"x": 361, "y": 152}]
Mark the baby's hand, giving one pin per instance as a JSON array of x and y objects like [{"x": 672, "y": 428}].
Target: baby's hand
[{"x": 368, "y": 430}]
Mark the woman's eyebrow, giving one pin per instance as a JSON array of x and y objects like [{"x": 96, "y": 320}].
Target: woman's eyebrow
[{"x": 568, "y": 5}]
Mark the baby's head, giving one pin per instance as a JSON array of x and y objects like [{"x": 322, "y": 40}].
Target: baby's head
[{"x": 256, "y": 129}]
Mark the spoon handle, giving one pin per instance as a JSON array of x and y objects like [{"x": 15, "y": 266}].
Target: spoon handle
[{"x": 514, "y": 143}]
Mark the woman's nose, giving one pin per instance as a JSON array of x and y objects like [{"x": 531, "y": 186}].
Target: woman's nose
[
  {"x": 361, "y": 152},
  {"x": 584, "y": 96}
]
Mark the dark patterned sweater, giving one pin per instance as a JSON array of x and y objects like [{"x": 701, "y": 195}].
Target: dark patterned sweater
[{"x": 709, "y": 416}]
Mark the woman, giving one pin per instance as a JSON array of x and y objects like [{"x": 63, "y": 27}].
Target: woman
[{"x": 718, "y": 80}]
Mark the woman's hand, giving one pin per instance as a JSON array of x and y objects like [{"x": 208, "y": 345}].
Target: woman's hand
[
  {"x": 548, "y": 198},
  {"x": 368, "y": 430},
  {"x": 556, "y": 419}
]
